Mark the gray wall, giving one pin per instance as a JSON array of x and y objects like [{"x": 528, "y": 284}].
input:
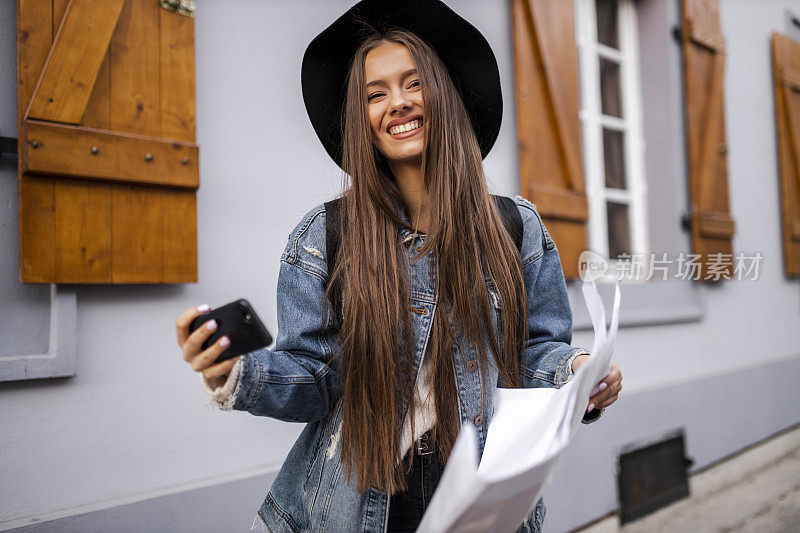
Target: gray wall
[
  {"x": 25, "y": 310},
  {"x": 133, "y": 425}
]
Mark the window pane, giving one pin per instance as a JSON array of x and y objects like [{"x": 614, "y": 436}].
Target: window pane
[
  {"x": 610, "y": 88},
  {"x": 614, "y": 158},
  {"x": 607, "y": 22},
  {"x": 619, "y": 235}
]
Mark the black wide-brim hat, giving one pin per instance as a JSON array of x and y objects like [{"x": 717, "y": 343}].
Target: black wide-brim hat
[{"x": 461, "y": 47}]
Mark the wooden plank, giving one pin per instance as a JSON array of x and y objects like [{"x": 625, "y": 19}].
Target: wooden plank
[
  {"x": 134, "y": 70},
  {"x": 179, "y": 235},
  {"x": 73, "y": 64},
  {"x": 713, "y": 41},
  {"x": 715, "y": 225},
  {"x": 176, "y": 52},
  {"x": 136, "y": 234},
  {"x": 37, "y": 231},
  {"x": 178, "y": 208},
  {"x": 137, "y": 246},
  {"x": 83, "y": 232},
  {"x": 786, "y": 72},
  {"x": 559, "y": 203},
  {"x": 34, "y": 37},
  {"x": 35, "y": 195},
  {"x": 68, "y": 151},
  {"x": 709, "y": 133},
  {"x": 97, "y": 114},
  {"x": 83, "y": 209},
  {"x": 59, "y": 8}
]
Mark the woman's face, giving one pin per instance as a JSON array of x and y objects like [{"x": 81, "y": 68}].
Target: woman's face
[{"x": 394, "y": 102}]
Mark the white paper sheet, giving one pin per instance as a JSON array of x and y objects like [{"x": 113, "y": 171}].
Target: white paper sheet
[{"x": 527, "y": 437}]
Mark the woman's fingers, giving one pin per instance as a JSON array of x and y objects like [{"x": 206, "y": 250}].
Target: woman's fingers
[
  {"x": 194, "y": 343},
  {"x": 608, "y": 402},
  {"x": 220, "y": 369},
  {"x": 607, "y": 396},
  {"x": 182, "y": 325},
  {"x": 207, "y": 357},
  {"x": 609, "y": 388}
]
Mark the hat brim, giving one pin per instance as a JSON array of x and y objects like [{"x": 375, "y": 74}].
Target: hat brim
[{"x": 462, "y": 48}]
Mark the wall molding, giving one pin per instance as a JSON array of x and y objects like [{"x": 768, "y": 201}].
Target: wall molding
[{"x": 59, "y": 361}]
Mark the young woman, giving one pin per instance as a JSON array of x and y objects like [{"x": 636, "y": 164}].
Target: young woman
[{"x": 429, "y": 304}]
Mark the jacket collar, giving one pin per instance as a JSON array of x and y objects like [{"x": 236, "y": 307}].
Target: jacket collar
[{"x": 406, "y": 235}]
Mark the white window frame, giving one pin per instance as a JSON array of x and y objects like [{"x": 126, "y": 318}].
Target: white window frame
[{"x": 593, "y": 121}]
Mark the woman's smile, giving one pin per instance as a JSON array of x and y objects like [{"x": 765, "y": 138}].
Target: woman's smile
[{"x": 405, "y": 127}]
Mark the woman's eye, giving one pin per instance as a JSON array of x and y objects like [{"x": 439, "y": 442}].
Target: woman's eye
[
  {"x": 414, "y": 83},
  {"x": 374, "y": 95}
]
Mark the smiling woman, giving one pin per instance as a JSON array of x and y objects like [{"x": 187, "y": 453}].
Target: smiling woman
[{"x": 387, "y": 347}]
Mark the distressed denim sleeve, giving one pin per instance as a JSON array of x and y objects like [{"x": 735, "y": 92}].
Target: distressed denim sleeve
[
  {"x": 296, "y": 380},
  {"x": 222, "y": 390},
  {"x": 548, "y": 355}
]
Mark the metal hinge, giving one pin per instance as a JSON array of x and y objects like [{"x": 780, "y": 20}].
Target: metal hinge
[
  {"x": 677, "y": 34},
  {"x": 186, "y": 8}
]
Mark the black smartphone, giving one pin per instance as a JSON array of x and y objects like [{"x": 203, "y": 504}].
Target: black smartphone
[{"x": 239, "y": 321}]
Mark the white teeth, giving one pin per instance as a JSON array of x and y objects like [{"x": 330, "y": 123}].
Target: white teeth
[{"x": 408, "y": 126}]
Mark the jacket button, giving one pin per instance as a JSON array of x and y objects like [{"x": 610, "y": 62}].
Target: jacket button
[
  {"x": 478, "y": 420},
  {"x": 472, "y": 366}
]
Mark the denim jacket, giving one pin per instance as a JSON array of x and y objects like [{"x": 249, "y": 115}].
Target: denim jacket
[{"x": 297, "y": 381}]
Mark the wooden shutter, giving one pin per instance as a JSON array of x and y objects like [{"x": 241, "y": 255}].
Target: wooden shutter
[
  {"x": 703, "y": 49},
  {"x": 786, "y": 70},
  {"x": 548, "y": 127},
  {"x": 108, "y": 164}
]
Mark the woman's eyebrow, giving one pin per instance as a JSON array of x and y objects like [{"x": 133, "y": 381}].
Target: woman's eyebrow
[{"x": 404, "y": 75}]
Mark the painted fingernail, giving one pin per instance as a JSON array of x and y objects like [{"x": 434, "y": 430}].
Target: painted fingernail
[
  {"x": 589, "y": 409},
  {"x": 203, "y": 308},
  {"x": 603, "y": 386},
  {"x": 211, "y": 325},
  {"x": 224, "y": 341}
]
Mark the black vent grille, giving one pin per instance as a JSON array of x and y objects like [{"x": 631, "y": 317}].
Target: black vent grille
[{"x": 652, "y": 476}]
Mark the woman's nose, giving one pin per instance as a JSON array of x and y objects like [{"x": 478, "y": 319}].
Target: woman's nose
[{"x": 400, "y": 102}]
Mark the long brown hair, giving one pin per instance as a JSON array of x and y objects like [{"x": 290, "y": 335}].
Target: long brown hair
[{"x": 469, "y": 240}]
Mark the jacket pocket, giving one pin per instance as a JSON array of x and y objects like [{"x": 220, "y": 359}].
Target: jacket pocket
[{"x": 275, "y": 518}]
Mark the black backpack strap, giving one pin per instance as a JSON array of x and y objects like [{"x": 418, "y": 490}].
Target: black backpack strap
[
  {"x": 333, "y": 238},
  {"x": 333, "y": 233},
  {"x": 512, "y": 220}
]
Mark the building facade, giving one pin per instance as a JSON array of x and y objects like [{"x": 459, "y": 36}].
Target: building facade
[{"x": 114, "y": 429}]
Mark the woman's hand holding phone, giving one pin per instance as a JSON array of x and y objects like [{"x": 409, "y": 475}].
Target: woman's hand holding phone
[{"x": 191, "y": 343}]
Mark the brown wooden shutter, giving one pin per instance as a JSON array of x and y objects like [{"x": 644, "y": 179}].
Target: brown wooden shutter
[
  {"x": 548, "y": 127},
  {"x": 786, "y": 70},
  {"x": 703, "y": 49},
  {"x": 108, "y": 164}
]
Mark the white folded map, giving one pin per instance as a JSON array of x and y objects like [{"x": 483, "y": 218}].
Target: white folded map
[{"x": 527, "y": 438}]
